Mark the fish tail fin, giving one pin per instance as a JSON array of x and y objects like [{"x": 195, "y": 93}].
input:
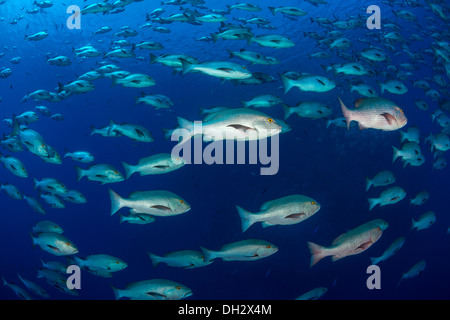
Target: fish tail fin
[
  {"x": 186, "y": 66},
  {"x": 209, "y": 254},
  {"x": 214, "y": 37},
  {"x": 244, "y": 103},
  {"x": 36, "y": 182},
  {"x": 186, "y": 125},
  {"x": 402, "y": 136},
  {"x": 80, "y": 173},
  {"x": 396, "y": 154},
  {"x": 129, "y": 169},
  {"x": 153, "y": 58},
  {"x": 116, "y": 201},
  {"x": 111, "y": 127},
  {"x": 154, "y": 258},
  {"x": 117, "y": 293},
  {"x": 346, "y": 112},
  {"x": 382, "y": 87},
  {"x": 246, "y": 218},
  {"x": 272, "y": 9},
  {"x": 372, "y": 203},
  {"x": 317, "y": 253},
  {"x": 374, "y": 261},
  {"x": 328, "y": 123},
  {"x": 32, "y": 239},
  {"x": 60, "y": 87},
  {"x": 287, "y": 111},
  {"x": 368, "y": 184},
  {"x": 287, "y": 83},
  {"x": 413, "y": 224}
]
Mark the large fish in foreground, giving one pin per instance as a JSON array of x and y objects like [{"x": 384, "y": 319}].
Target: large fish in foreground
[
  {"x": 232, "y": 124},
  {"x": 350, "y": 243},
  {"x": 375, "y": 113}
]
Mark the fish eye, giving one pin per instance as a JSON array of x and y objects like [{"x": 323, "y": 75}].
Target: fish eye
[
  {"x": 269, "y": 246},
  {"x": 270, "y": 120},
  {"x": 67, "y": 243},
  {"x": 181, "y": 201},
  {"x": 117, "y": 262},
  {"x": 178, "y": 288},
  {"x": 116, "y": 172}
]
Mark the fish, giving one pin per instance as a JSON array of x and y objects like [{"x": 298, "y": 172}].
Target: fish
[
  {"x": 220, "y": 69},
  {"x": 34, "y": 287},
  {"x": 381, "y": 179},
  {"x": 411, "y": 135},
  {"x": 156, "y": 203},
  {"x": 54, "y": 243},
  {"x": 19, "y": 291},
  {"x": 34, "y": 204},
  {"x": 132, "y": 131},
  {"x": 416, "y": 270},
  {"x": 12, "y": 191},
  {"x": 50, "y": 185},
  {"x": 154, "y": 289},
  {"x": 232, "y": 124},
  {"x": 37, "y": 36},
  {"x": 350, "y": 243},
  {"x": 388, "y": 196},
  {"x": 103, "y": 173},
  {"x": 287, "y": 210},
  {"x": 420, "y": 198},
  {"x": 137, "y": 218},
  {"x": 275, "y": 41},
  {"x": 313, "y": 294},
  {"x": 186, "y": 259},
  {"x": 314, "y": 83},
  {"x": 375, "y": 113},
  {"x": 244, "y": 250},
  {"x": 14, "y": 165},
  {"x": 425, "y": 221},
  {"x": 292, "y": 11},
  {"x": 136, "y": 80},
  {"x": 47, "y": 226},
  {"x": 80, "y": 156},
  {"x": 393, "y": 86},
  {"x": 390, "y": 251},
  {"x": 100, "y": 262},
  {"x": 262, "y": 101},
  {"x": 159, "y": 101},
  {"x": 60, "y": 61},
  {"x": 156, "y": 164},
  {"x": 308, "y": 109}
]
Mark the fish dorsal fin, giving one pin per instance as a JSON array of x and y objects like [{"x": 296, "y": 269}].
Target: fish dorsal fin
[
  {"x": 358, "y": 102},
  {"x": 389, "y": 118},
  {"x": 338, "y": 239}
]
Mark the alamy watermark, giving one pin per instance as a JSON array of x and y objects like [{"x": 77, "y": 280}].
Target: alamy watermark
[
  {"x": 374, "y": 21},
  {"x": 74, "y": 21},
  {"x": 374, "y": 280},
  {"x": 213, "y": 153}
]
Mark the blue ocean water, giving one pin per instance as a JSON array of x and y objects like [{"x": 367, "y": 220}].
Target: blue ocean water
[{"x": 328, "y": 164}]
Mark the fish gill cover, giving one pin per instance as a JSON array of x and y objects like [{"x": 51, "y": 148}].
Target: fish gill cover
[{"x": 352, "y": 117}]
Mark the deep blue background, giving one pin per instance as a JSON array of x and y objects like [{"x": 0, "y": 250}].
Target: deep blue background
[{"x": 329, "y": 165}]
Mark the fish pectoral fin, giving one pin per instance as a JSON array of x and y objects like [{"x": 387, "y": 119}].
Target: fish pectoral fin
[
  {"x": 295, "y": 215},
  {"x": 156, "y": 295},
  {"x": 363, "y": 247},
  {"x": 161, "y": 167},
  {"x": 160, "y": 207},
  {"x": 240, "y": 127},
  {"x": 389, "y": 118},
  {"x": 228, "y": 70},
  {"x": 53, "y": 247}
]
